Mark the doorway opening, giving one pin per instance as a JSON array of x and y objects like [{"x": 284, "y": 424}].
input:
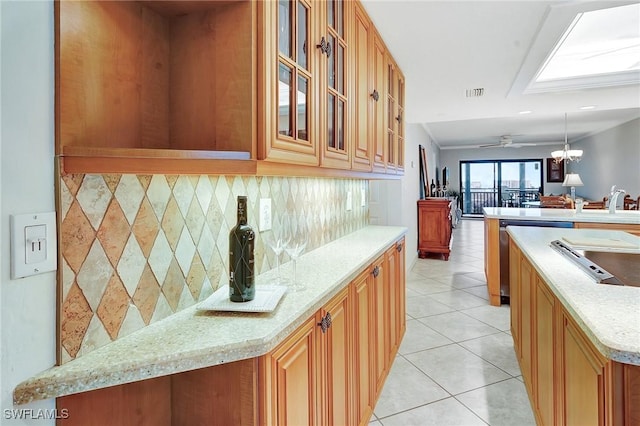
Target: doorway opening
[{"x": 499, "y": 183}]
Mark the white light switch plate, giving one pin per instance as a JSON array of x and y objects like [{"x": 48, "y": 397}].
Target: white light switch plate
[
  {"x": 349, "y": 201},
  {"x": 33, "y": 244},
  {"x": 363, "y": 197}
]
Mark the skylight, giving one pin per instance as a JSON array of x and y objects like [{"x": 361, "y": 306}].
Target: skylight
[{"x": 599, "y": 42}]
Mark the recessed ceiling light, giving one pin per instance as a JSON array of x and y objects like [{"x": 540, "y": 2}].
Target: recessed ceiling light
[
  {"x": 588, "y": 107},
  {"x": 525, "y": 112}
]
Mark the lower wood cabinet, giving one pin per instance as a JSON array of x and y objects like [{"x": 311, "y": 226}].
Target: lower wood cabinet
[
  {"x": 289, "y": 379},
  {"x": 434, "y": 226},
  {"x": 568, "y": 380},
  {"x": 329, "y": 371}
]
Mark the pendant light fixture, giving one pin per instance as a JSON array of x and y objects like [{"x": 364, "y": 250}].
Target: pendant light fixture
[{"x": 566, "y": 153}]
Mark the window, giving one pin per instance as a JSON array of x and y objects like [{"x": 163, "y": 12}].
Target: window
[{"x": 499, "y": 183}]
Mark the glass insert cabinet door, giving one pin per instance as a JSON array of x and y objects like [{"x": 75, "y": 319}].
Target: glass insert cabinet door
[
  {"x": 336, "y": 97},
  {"x": 295, "y": 74}
]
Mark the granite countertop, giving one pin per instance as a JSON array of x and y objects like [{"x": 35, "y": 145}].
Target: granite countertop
[
  {"x": 192, "y": 339},
  {"x": 597, "y": 216},
  {"x": 608, "y": 314}
]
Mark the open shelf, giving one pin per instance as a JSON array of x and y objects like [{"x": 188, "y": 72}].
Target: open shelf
[
  {"x": 155, "y": 161},
  {"x": 155, "y": 86}
]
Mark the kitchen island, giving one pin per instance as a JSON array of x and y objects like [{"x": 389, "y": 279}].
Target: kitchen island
[
  {"x": 623, "y": 220},
  {"x": 195, "y": 365},
  {"x": 577, "y": 341}
]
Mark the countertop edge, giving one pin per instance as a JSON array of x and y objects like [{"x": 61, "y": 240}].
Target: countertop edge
[
  {"x": 574, "y": 303},
  {"x": 628, "y": 217},
  {"x": 65, "y": 380}
]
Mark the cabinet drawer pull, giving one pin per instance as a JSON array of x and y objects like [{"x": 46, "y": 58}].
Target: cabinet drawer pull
[
  {"x": 376, "y": 271},
  {"x": 375, "y": 95}
]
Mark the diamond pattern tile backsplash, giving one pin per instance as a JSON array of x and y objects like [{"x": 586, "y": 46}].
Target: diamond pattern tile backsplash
[{"x": 138, "y": 248}]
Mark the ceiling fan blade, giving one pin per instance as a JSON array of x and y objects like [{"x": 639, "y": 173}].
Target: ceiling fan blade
[{"x": 491, "y": 145}]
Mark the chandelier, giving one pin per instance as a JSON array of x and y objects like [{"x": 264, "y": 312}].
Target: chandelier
[{"x": 566, "y": 153}]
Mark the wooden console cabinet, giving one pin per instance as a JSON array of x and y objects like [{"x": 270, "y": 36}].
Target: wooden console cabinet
[{"x": 434, "y": 226}]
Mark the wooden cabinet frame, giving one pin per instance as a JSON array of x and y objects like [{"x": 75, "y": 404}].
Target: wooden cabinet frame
[
  {"x": 567, "y": 379},
  {"x": 310, "y": 378},
  {"x": 192, "y": 88}
]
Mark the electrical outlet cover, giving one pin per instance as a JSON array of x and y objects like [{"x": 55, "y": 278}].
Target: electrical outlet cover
[{"x": 265, "y": 214}]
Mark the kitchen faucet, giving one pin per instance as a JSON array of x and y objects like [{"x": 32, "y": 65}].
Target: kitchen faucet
[{"x": 615, "y": 193}]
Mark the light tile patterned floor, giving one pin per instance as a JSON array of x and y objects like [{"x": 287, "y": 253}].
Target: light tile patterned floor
[{"x": 456, "y": 365}]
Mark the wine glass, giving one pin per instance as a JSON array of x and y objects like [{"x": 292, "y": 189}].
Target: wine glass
[
  {"x": 296, "y": 236},
  {"x": 275, "y": 239}
]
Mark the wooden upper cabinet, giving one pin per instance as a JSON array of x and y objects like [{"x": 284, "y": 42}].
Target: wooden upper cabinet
[
  {"x": 395, "y": 117},
  {"x": 165, "y": 78},
  {"x": 400, "y": 126},
  {"x": 289, "y": 79},
  {"x": 364, "y": 95},
  {"x": 231, "y": 87},
  {"x": 378, "y": 121},
  {"x": 335, "y": 83}
]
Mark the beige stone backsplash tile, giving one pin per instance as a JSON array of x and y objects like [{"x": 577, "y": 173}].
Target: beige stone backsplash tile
[
  {"x": 132, "y": 321},
  {"x": 113, "y": 306},
  {"x": 172, "y": 223},
  {"x": 173, "y": 284},
  {"x": 162, "y": 309},
  {"x": 131, "y": 265},
  {"x": 204, "y": 192},
  {"x": 114, "y": 232},
  {"x": 146, "y": 295},
  {"x": 145, "y": 181},
  {"x": 160, "y": 257},
  {"x": 185, "y": 250},
  {"x": 67, "y": 278},
  {"x": 76, "y": 236},
  {"x": 129, "y": 194},
  {"x": 183, "y": 192},
  {"x": 194, "y": 220},
  {"x": 72, "y": 182},
  {"x": 112, "y": 181},
  {"x": 162, "y": 243},
  {"x": 66, "y": 199},
  {"x": 94, "y": 275},
  {"x": 146, "y": 227},
  {"x": 195, "y": 277},
  {"x": 158, "y": 195},
  {"x": 95, "y": 337},
  {"x": 94, "y": 196},
  {"x": 77, "y": 315}
]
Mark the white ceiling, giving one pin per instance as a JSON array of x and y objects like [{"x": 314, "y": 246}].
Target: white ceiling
[{"x": 446, "y": 47}]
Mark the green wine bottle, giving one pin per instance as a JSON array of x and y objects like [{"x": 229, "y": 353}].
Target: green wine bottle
[{"x": 241, "y": 239}]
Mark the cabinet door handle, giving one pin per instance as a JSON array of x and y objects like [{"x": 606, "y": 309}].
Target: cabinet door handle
[
  {"x": 399, "y": 248},
  {"x": 324, "y": 46},
  {"x": 376, "y": 271},
  {"x": 399, "y": 118},
  {"x": 325, "y": 323},
  {"x": 375, "y": 95}
]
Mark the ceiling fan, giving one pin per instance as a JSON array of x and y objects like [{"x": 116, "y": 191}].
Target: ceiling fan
[{"x": 506, "y": 142}]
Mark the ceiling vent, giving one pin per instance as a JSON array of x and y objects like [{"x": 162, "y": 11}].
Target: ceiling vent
[{"x": 474, "y": 93}]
